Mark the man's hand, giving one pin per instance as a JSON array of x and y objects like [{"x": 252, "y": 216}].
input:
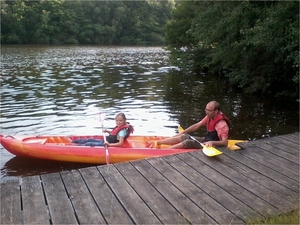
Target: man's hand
[{"x": 208, "y": 143}]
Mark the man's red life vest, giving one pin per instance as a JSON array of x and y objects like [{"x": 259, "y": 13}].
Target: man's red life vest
[
  {"x": 211, "y": 123},
  {"x": 212, "y": 134}
]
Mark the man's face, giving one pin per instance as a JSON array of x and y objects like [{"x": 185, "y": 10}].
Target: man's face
[{"x": 210, "y": 111}]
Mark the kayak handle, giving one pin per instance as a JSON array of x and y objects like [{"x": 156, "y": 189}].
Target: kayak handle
[{"x": 9, "y": 136}]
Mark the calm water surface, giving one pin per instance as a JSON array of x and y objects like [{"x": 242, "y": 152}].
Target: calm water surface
[{"x": 59, "y": 90}]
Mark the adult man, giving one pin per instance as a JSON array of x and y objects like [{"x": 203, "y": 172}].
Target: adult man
[{"x": 217, "y": 125}]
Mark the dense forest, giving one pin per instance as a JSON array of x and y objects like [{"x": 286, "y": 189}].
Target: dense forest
[
  {"x": 254, "y": 45},
  {"x": 84, "y": 22}
]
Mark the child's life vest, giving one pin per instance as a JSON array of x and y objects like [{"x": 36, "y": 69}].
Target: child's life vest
[{"x": 113, "y": 136}]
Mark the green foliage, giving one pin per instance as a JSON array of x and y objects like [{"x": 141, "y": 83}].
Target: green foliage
[
  {"x": 286, "y": 218},
  {"x": 254, "y": 44},
  {"x": 84, "y": 22}
]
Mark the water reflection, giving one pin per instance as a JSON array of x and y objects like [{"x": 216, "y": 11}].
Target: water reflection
[{"x": 58, "y": 90}]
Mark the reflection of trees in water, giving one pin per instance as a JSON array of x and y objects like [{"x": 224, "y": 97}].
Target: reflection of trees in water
[{"x": 251, "y": 117}]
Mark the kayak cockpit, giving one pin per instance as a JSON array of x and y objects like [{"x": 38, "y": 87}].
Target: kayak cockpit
[
  {"x": 46, "y": 140},
  {"x": 132, "y": 142}
]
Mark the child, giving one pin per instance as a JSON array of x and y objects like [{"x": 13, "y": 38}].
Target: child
[
  {"x": 119, "y": 134},
  {"x": 115, "y": 138}
]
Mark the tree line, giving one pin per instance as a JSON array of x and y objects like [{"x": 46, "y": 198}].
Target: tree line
[
  {"x": 254, "y": 44},
  {"x": 84, "y": 22}
]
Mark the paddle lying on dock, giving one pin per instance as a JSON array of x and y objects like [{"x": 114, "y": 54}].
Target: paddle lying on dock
[
  {"x": 101, "y": 119},
  {"x": 208, "y": 151}
]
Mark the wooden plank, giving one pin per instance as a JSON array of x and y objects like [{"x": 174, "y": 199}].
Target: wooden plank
[
  {"x": 131, "y": 201},
  {"x": 187, "y": 207},
  {"x": 83, "y": 203},
  {"x": 196, "y": 194},
  {"x": 280, "y": 149},
  {"x": 110, "y": 207},
  {"x": 34, "y": 206},
  {"x": 261, "y": 167},
  {"x": 251, "y": 185},
  {"x": 230, "y": 202},
  {"x": 228, "y": 184},
  {"x": 270, "y": 144},
  {"x": 166, "y": 213},
  {"x": 262, "y": 156},
  {"x": 240, "y": 164},
  {"x": 292, "y": 141},
  {"x": 60, "y": 207},
  {"x": 294, "y": 137},
  {"x": 10, "y": 203},
  {"x": 292, "y": 144}
]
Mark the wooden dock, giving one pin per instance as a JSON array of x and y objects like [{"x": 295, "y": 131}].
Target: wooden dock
[{"x": 189, "y": 188}]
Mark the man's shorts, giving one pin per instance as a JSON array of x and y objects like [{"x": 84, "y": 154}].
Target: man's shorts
[{"x": 189, "y": 143}]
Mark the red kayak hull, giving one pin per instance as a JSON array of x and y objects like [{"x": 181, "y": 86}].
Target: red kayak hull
[{"x": 61, "y": 148}]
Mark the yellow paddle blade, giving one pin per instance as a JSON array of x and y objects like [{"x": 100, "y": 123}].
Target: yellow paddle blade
[
  {"x": 232, "y": 146},
  {"x": 180, "y": 129},
  {"x": 210, "y": 151}
]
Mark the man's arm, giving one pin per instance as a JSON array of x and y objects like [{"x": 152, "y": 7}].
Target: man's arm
[
  {"x": 222, "y": 143},
  {"x": 195, "y": 126}
]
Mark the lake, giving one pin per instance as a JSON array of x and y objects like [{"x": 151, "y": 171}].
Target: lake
[{"x": 60, "y": 89}]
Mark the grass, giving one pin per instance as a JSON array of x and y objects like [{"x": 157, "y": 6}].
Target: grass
[{"x": 286, "y": 218}]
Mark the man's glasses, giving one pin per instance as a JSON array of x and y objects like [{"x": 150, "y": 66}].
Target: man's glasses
[{"x": 209, "y": 110}]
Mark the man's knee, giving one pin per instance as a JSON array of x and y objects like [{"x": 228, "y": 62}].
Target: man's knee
[
  {"x": 191, "y": 144},
  {"x": 184, "y": 137}
]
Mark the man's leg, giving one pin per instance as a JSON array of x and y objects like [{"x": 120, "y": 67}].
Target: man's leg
[{"x": 170, "y": 141}]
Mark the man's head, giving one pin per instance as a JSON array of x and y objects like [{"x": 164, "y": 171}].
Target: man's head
[{"x": 212, "y": 109}]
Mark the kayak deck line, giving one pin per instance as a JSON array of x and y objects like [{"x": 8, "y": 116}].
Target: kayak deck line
[{"x": 257, "y": 182}]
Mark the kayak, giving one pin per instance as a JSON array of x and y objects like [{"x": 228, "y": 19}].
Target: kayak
[{"x": 63, "y": 148}]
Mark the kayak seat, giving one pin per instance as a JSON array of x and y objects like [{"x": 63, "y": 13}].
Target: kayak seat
[
  {"x": 34, "y": 140},
  {"x": 58, "y": 140}
]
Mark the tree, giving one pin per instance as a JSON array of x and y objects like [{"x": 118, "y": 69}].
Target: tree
[
  {"x": 254, "y": 44},
  {"x": 84, "y": 22},
  {"x": 12, "y": 22}
]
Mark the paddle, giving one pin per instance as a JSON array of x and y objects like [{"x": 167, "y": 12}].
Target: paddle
[
  {"x": 101, "y": 119},
  {"x": 209, "y": 151}
]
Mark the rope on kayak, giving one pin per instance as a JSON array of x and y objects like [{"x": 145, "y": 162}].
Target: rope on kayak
[{"x": 9, "y": 136}]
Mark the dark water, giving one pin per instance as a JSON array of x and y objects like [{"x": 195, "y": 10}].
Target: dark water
[{"x": 59, "y": 90}]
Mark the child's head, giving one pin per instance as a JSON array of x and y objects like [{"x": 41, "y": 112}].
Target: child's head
[{"x": 120, "y": 119}]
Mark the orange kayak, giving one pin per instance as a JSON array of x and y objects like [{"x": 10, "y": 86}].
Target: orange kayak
[{"x": 61, "y": 148}]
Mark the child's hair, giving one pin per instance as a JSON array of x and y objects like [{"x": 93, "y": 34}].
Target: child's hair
[{"x": 122, "y": 115}]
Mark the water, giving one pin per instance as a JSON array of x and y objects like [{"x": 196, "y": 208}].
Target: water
[{"x": 59, "y": 90}]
